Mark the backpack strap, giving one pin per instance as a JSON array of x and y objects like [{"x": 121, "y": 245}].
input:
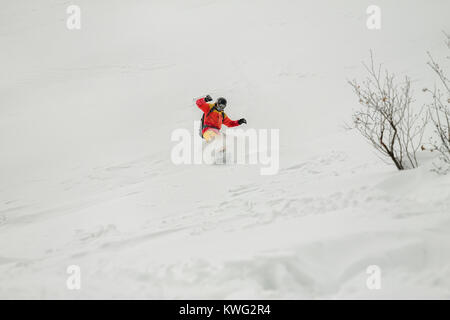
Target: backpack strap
[
  {"x": 204, "y": 117},
  {"x": 211, "y": 110},
  {"x": 214, "y": 108}
]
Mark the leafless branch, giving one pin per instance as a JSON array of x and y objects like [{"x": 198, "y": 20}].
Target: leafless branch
[
  {"x": 439, "y": 108},
  {"x": 387, "y": 120}
]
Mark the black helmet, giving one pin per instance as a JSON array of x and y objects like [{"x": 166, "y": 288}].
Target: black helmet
[{"x": 221, "y": 103}]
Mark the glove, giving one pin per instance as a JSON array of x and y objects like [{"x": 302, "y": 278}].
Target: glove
[
  {"x": 241, "y": 121},
  {"x": 208, "y": 98}
]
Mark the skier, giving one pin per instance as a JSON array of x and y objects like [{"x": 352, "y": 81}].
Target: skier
[{"x": 214, "y": 116}]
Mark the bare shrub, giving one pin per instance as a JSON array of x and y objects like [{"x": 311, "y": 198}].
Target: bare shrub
[
  {"x": 387, "y": 119},
  {"x": 439, "y": 109}
]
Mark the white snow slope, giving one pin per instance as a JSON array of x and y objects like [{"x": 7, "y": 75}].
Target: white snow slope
[{"x": 86, "y": 177}]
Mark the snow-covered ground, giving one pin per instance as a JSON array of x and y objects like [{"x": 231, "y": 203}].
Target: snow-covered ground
[{"x": 86, "y": 176}]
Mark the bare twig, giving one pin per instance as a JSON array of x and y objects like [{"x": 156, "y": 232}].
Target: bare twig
[
  {"x": 386, "y": 118},
  {"x": 439, "y": 108}
]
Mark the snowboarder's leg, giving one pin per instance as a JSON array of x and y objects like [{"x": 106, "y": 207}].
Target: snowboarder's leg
[
  {"x": 210, "y": 134},
  {"x": 215, "y": 140}
]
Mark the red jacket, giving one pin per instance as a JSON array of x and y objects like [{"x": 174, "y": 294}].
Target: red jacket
[{"x": 214, "y": 118}]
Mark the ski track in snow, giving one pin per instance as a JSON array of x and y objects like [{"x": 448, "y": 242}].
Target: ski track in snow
[{"x": 304, "y": 268}]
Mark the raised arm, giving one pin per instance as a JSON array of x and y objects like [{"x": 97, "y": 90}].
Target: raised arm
[{"x": 203, "y": 105}]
